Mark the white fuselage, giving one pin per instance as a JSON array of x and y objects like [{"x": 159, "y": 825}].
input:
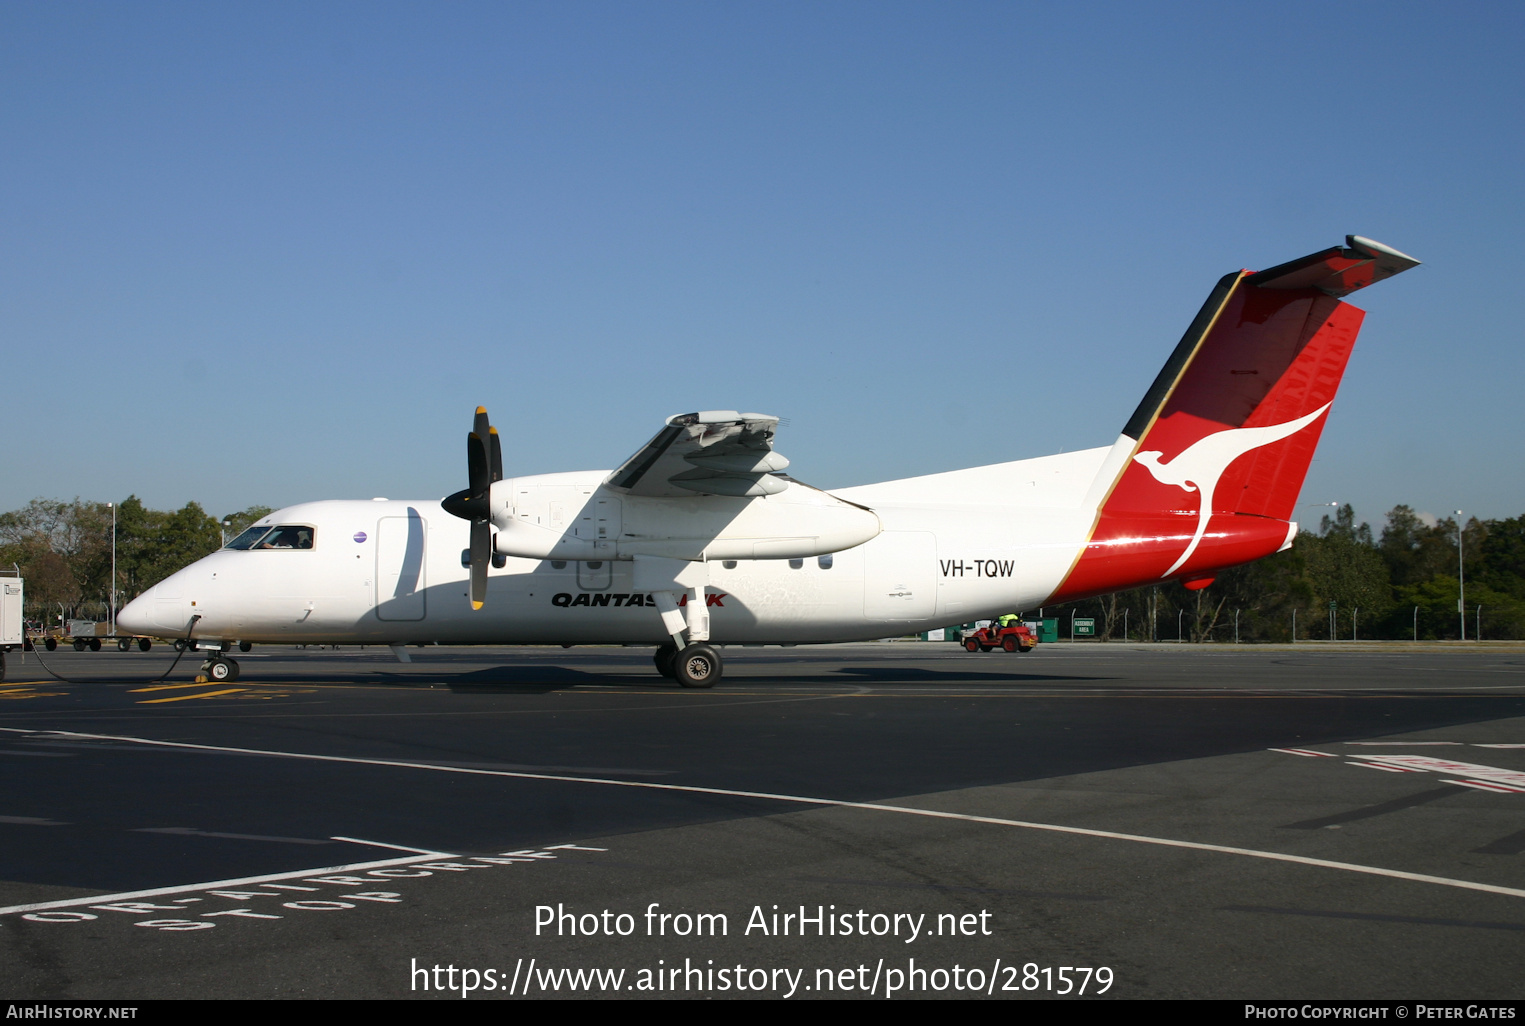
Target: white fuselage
[{"x": 952, "y": 548}]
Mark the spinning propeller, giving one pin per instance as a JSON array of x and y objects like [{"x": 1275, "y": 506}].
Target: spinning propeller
[{"x": 484, "y": 465}]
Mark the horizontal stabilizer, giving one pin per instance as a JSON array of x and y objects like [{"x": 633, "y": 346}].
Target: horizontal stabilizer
[{"x": 1337, "y": 271}]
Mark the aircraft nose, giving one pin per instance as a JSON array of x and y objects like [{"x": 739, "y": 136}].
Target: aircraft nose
[{"x": 137, "y": 616}]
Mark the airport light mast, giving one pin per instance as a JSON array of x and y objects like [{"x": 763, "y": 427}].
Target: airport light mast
[
  {"x": 111, "y": 620},
  {"x": 1461, "y": 578}
]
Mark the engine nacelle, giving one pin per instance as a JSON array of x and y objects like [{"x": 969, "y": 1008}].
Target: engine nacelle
[{"x": 572, "y": 516}]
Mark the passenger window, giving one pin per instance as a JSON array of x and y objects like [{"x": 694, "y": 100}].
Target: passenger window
[
  {"x": 558, "y": 564},
  {"x": 729, "y": 564},
  {"x": 824, "y": 562},
  {"x": 294, "y": 536},
  {"x": 796, "y": 564}
]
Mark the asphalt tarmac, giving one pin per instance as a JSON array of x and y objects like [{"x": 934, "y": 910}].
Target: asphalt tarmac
[{"x": 885, "y": 820}]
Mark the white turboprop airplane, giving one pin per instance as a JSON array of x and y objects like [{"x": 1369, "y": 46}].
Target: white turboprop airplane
[{"x": 700, "y": 539}]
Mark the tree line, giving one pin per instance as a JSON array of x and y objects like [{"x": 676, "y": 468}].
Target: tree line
[
  {"x": 1343, "y": 581},
  {"x": 63, "y": 550}
]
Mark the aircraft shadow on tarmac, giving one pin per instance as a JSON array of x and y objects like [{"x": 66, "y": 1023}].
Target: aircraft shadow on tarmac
[
  {"x": 912, "y": 675},
  {"x": 540, "y": 679},
  {"x": 525, "y": 680}
]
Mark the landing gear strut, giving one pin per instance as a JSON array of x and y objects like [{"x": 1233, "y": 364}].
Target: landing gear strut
[{"x": 220, "y": 670}]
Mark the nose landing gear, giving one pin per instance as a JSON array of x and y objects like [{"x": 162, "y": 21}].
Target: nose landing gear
[{"x": 220, "y": 670}]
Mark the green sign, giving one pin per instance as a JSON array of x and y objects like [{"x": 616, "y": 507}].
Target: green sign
[{"x": 1084, "y": 625}]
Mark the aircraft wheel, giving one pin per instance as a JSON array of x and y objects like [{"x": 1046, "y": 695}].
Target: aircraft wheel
[
  {"x": 665, "y": 658},
  {"x": 180, "y": 645},
  {"x": 245, "y": 646},
  {"x": 50, "y": 644},
  {"x": 95, "y": 644},
  {"x": 697, "y": 666},
  {"x": 144, "y": 644},
  {"x": 222, "y": 670},
  {"x": 123, "y": 644},
  {"x": 971, "y": 645},
  {"x": 1009, "y": 644}
]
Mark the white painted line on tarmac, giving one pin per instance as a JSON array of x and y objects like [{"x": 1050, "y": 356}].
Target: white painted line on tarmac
[
  {"x": 425, "y": 852},
  {"x": 1493, "y": 774},
  {"x": 1310, "y": 753},
  {"x": 648, "y": 785},
  {"x": 1379, "y": 766},
  {"x": 239, "y": 882},
  {"x": 1487, "y": 785}
]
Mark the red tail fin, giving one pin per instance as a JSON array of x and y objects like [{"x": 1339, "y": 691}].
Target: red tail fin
[{"x": 1223, "y": 439}]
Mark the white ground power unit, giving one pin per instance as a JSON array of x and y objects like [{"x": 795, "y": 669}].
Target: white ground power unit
[{"x": 12, "y": 629}]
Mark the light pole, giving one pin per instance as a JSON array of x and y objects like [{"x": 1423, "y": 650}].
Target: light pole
[
  {"x": 111, "y": 624},
  {"x": 1461, "y": 579},
  {"x": 1179, "y": 615},
  {"x": 1416, "y": 624},
  {"x": 223, "y": 528}
]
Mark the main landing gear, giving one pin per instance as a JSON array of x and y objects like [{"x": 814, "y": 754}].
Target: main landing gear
[{"x": 694, "y": 666}]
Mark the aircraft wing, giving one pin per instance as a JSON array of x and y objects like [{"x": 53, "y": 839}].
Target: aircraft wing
[{"x": 713, "y": 452}]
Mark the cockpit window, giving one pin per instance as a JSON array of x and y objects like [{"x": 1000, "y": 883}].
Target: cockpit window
[
  {"x": 292, "y": 536},
  {"x": 249, "y": 537}
]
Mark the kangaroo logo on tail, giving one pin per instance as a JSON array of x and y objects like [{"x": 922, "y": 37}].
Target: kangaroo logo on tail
[{"x": 1198, "y": 467}]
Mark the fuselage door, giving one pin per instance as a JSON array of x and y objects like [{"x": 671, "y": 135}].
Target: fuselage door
[{"x": 400, "y": 564}]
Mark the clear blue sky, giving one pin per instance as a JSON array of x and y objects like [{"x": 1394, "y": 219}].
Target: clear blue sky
[{"x": 265, "y": 253}]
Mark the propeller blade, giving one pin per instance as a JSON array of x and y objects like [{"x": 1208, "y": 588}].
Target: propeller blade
[
  {"x": 477, "y": 473},
  {"x": 481, "y": 542},
  {"x": 484, "y": 465}
]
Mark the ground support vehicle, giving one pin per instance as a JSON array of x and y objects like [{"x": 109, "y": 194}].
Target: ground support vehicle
[
  {"x": 12, "y": 632},
  {"x": 1014, "y": 638},
  {"x": 86, "y": 634}
]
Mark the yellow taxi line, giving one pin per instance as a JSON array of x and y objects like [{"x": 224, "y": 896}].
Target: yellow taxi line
[
  {"x": 183, "y": 698},
  {"x": 165, "y": 687}
]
